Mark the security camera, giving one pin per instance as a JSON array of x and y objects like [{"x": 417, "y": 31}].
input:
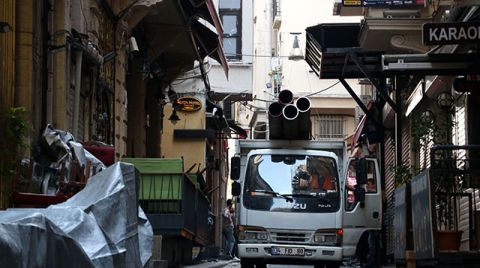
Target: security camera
[{"x": 132, "y": 46}]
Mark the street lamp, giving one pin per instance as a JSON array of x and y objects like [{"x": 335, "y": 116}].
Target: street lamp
[
  {"x": 296, "y": 53},
  {"x": 5, "y": 27}
]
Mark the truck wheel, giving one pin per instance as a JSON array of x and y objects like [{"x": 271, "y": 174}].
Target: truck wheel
[
  {"x": 332, "y": 265},
  {"x": 261, "y": 265},
  {"x": 246, "y": 263}
]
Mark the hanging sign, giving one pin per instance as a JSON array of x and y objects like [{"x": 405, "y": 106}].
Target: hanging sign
[
  {"x": 189, "y": 104},
  {"x": 451, "y": 33},
  {"x": 366, "y": 3},
  {"x": 351, "y": 3}
]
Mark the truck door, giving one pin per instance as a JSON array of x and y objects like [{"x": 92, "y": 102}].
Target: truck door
[{"x": 360, "y": 216}]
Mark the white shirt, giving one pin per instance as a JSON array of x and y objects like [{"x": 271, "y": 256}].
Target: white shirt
[{"x": 227, "y": 217}]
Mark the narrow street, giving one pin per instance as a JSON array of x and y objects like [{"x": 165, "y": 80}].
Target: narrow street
[
  {"x": 236, "y": 264},
  {"x": 161, "y": 133}
]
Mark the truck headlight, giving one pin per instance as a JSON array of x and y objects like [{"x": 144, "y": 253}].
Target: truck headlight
[
  {"x": 252, "y": 233},
  {"x": 328, "y": 236}
]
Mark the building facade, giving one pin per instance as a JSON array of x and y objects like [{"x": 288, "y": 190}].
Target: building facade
[
  {"x": 425, "y": 109},
  {"x": 130, "y": 74}
]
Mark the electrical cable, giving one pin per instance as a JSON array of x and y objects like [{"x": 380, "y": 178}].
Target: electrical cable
[
  {"x": 322, "y": 90},
  {"x": 255, "y": 56}
]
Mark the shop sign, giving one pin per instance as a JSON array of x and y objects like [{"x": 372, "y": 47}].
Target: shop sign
[
  {"x": 189, "y": 104},
  {"x": 422, "y": 220},
  {"x": 451, "y": 33},
  {"x": 357, "y": 3}
]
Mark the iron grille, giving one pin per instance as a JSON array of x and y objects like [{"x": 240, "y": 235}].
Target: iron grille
[{"x": 285, "y": 236}]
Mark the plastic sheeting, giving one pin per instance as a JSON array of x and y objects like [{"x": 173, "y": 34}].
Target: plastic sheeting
[{"x": 101, "y": 226}]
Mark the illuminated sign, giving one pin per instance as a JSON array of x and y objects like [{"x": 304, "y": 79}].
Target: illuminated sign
[
  {"x": 189, "y": 104},
  {"x": 366, "y": 3},
  {"x": 451, "y": 33}
]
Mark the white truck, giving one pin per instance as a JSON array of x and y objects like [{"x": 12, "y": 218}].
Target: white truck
[{"x": 294, "y": 203}]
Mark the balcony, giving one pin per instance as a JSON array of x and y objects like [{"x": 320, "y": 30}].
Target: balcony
[{"x": 394, "y": 30}]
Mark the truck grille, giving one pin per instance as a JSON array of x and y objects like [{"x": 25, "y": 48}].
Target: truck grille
[{"x": 285, "y": 236}]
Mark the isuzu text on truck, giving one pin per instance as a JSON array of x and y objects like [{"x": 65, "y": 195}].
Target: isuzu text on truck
[{"x": 297, "y": 201}]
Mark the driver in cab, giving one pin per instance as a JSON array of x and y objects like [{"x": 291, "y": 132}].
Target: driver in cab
[{"x": 310, "y": 179}]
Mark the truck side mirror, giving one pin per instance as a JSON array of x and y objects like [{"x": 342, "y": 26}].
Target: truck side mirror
[
  {"x": 361, "y": 171},
  {"x": 235, "y": 168},
  {"x": 359, "y": 194},
  {"x": 236, "y": 188}
]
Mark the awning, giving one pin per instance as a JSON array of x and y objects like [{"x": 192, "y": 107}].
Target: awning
[
  {"x": 327, "y": 46},
  {"x": 358, "y": 132},
  {"x": 139, "y": 10},
  {"x": 168, "y": 28},
  {"x": 242, "y": 133},
  {"x": 209, "y": 44}
]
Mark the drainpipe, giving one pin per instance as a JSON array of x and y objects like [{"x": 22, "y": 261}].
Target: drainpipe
[{"x": 78, "y": 83}]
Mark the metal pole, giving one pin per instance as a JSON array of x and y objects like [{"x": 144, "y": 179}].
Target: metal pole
[{"x": 78, "y": 84}]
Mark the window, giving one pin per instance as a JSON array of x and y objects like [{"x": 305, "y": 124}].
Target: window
[
  {"x": 351, "y": 183},
  {"x": 329, "y": 127},
  {"x": 231, "y": 15}
]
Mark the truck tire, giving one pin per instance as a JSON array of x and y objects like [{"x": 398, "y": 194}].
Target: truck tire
[
  {"x": 246, "y": 263},
  {"x": 327, "y": 265},
  {"x": 332, "y": 265},
  {"x": 261, "y": 265}
]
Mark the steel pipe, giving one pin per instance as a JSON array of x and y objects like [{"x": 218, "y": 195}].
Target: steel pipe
[
  {"x": 303, "y": 104},
  {"x": 290, "y": 123},
  {"x": 305, "y": 125},
  {"x": 285, "y": 97},
  {"x": 275, "y": 121}
]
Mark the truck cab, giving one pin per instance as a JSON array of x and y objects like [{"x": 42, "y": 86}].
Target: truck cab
[
  {"x": 293, "y": 204},
  {"x": 289, "y": 207}
]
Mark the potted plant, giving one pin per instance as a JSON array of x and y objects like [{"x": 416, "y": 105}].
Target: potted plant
[
  {"x": 446, "y": 182},
  {"x": 427, "y": 130},
  {"x": 14, "y": 131}
]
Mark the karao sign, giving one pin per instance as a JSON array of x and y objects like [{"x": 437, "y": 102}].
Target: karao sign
[
  {"x": 451, "y": 33},
  {"x": 189, "y": 104}
]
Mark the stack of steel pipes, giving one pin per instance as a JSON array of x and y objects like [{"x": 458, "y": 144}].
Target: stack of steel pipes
[{"x": 289, "y": 119}]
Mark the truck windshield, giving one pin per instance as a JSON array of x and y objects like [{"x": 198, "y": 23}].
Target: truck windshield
[{"x": 311, "y": 182}]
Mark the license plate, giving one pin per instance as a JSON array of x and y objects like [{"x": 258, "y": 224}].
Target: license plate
[{"x": 283, "y": 251}]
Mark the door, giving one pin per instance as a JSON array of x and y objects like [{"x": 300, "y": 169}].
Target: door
[{"x": 359, "y": 217}]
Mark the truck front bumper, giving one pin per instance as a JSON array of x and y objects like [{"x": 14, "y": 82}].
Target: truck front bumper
[{"x": 312, "y": 252}]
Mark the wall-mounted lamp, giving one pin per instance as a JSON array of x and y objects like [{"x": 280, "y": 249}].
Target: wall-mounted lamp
[
  {"x": 5, "y": 27},
  {"x": 132, "y": 46},
  {"x": 296, "y": 53},
  {"x": 427, "y": 117},
  {"x": 174, "y": 117},
  {"x": 445, "y": 100}
]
